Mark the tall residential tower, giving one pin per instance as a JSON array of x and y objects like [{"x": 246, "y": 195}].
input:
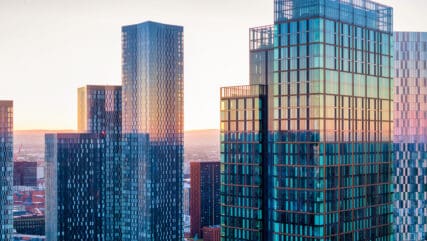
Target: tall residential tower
[
  {"x": 410, "y": 136},
  {"x": 153, "y": 98},
  {"x": 329, "y": 129},
  {"x": 6, "y": 170},
  {"x": 84, "y": 171}
]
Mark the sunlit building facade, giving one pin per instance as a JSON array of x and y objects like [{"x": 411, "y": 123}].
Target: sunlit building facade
[
  {"x": 153, "y": 87},
  {"x": 332, "y": 121},
  {"x": 6, "y": 169},
  {"x": 410, "y": 136},
  {"x": 330, "y": 124}
]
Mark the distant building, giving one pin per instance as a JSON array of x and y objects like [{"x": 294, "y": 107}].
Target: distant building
[
  {"x": 212, "y": 233},
  {"x": 204, "y": 196},
  {"x": 153, "y": 121},
  {"x": 29, "y": 224},
  {"x": 186, "y": 199},
  {"x": 24, "y": 173},
  {"x": 6, "y": 170}
]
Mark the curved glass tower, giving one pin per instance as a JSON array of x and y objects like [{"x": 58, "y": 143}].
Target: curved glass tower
[
  {"x": 152, "y": 92},
  {"x": 410, "y": 136}
]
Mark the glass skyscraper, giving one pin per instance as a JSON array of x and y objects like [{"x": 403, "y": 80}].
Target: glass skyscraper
[
  {"x": 243, "y": 162},
  {"x": 329, "y": 128},
  {"x": 153, "y": 86},
  {"x": 410, "y": 136},
  {"x": 84, "y": 171},
  {"x": 6, "y": 170}
]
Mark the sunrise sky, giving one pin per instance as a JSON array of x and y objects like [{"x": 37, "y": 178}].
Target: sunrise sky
[{"x": 49, "y": 48}]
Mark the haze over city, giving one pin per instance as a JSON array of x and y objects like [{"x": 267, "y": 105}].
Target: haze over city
[{"x": 49, "y": 48}]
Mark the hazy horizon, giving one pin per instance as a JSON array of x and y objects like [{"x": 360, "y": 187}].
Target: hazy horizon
[{"x": 50, "y": 48}]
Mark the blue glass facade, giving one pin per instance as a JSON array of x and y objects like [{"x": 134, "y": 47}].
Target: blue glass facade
[
  {"x": 152, "y": 153},
  {"x": 410, "y": 136},
  {"x": 6, "y": 170},
  {"x": 76, "y": 179},
  {"x": 330, "y": 124},
  {"x": 84, "y": 171},
  {"x": 100, "y": 112}
]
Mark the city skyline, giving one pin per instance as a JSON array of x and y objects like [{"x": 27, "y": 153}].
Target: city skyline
[{"x": 43, "y": 33}]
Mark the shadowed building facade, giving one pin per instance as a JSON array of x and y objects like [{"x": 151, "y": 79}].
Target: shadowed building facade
[
  {"x": 243, "y": 162},
  {"x": 24, "y": 173},
  {"x": 410, "y": 136},
  {"x": 152, "y": 154},
  {"x": 84, "y": 171},
  {"x": 329, "y": 134},
  {"x": 204, "y": 195},
  {"x": 6, "y": 169}
]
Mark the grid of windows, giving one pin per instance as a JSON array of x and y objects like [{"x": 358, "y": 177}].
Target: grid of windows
[
  {"x": 261, "y": 55},
  {"x": 327, "y": 173},
  {"x": 410, "y": 136},
  {"x": 243, "y": 125},
  {"x": 76, "y": 203},
  {"x": 6, "y": 170},
  {"x": 152, "y": 153},
  {"x": 205, "y": 196},
  {"x": 332, "y": 124},
  {"x": 99, "y": 115}
]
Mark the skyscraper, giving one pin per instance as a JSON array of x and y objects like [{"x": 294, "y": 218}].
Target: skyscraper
[
  {"x": 204, "y": 196},
  {"x": 76, "y": 203},
  {"x": 153, "y": 86},
  {"x": 6, "y": 170},
  {"x": 329, "y": 140},
  {"x": 99, "y": 109},
  {"x": 84, "y": 171},
  {"x": 410, "y": 136},
  {"x": 243, "y": 162},
  {"x": 100, "y": 112}
]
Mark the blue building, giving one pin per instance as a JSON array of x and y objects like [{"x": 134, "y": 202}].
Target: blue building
[
  {"x": 152, "y": 153},
  {"x": 6, "y": 170},
  {"x": 84, "y": 171},
  {"x": 410, "y": 136},
  {"x": 327, "y": 175}
]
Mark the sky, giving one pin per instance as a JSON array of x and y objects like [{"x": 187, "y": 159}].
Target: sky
[{"x": 49, "y": 48}]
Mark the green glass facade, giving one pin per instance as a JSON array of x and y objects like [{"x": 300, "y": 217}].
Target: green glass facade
[
  {"x": 327, "y": 175},
  {"x": 243, "y": 125}
]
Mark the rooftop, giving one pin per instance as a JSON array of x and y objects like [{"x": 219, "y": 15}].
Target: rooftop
[{"x": 364, "y": 13}]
